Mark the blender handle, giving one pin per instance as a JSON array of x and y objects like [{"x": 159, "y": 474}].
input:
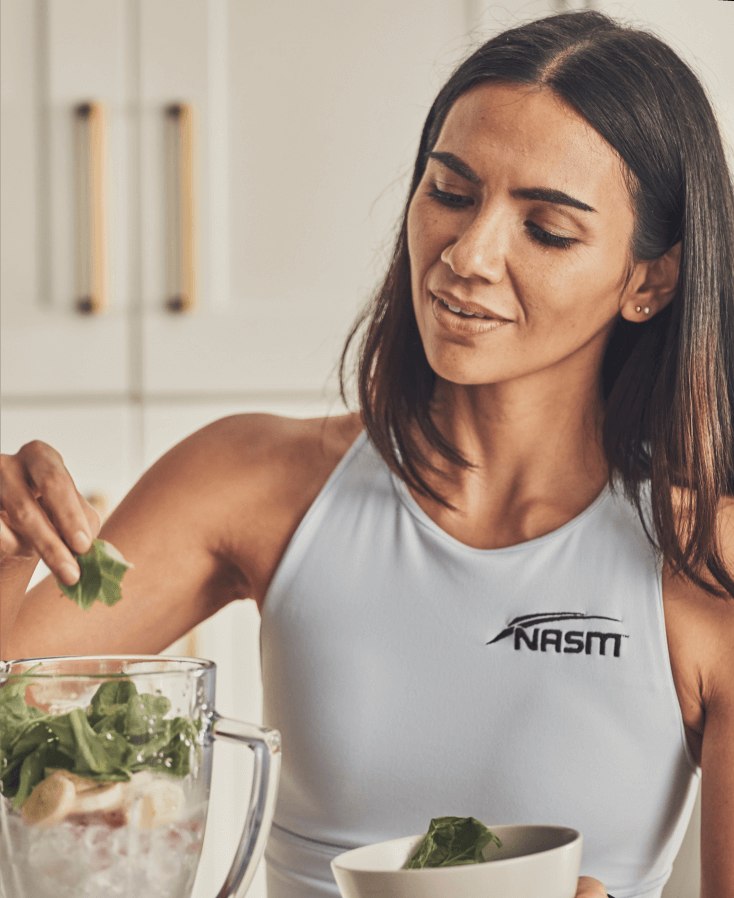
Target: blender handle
[{"x": 265, "y": 743}]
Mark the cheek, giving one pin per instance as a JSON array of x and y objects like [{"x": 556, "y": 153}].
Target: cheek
[
  {"x": 575, "y": 286},
  {"x": 426, "y": 240},
  {"x": 412, "y": 231}
]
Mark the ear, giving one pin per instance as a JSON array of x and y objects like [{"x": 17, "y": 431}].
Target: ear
[{"x": 651, "y": 287}]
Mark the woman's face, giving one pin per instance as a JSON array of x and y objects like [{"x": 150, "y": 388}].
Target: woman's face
[{"x": 523, "y": 218}]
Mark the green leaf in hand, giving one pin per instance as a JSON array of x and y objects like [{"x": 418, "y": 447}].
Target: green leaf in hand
[
  {"x": 451, "y": 841},
  {"x": 102, "y": 569}
]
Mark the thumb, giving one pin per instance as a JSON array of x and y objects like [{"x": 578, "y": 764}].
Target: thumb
[{"x": 588, "y": 887}]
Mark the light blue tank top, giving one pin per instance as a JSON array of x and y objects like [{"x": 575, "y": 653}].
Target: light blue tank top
[{"x": 412, "y": 676}]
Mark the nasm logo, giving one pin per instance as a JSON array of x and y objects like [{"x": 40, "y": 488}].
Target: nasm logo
[{"x": 536, "y": 633}]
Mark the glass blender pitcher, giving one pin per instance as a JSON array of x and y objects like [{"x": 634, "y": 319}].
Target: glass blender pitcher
[{"x": 105, "y": 772}]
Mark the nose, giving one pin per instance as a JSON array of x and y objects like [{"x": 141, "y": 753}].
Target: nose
[{"x": 478, "y": 251}]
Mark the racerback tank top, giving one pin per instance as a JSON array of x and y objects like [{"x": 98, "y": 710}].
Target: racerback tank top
[{"x": 413, "y": 676}]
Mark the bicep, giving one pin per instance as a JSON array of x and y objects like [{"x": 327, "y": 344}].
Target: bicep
[
  {"x": 717, "y": 758},
  {"x": 167, "y": 527}
]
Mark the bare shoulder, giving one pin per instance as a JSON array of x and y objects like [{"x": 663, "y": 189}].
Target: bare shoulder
[
  {"x": 282, "y": 453},
  {"x": 243, "y": 467},
  {"x": 701, "y": 636},
  {"x": 700, "y": 631},
  {"x": 268, "y": 470}
]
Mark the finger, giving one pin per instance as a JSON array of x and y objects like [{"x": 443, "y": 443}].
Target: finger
[
  {"x": 588, "y": 887},
  {"x": 10, "y": 542},
  {"x": 48, "y": 478},
  {"x": 26, "y": 524},
  {"x": 94, "y": 521}
]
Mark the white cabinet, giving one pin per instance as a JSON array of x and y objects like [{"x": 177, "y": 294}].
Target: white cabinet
[
  {"x": 97, "y": 441},
  {"x": 309, "y": 116},
  {"x": 58, "y": 171},
  {"x": 268, "y": 203}
]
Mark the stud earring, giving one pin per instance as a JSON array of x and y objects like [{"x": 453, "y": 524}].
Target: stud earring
[{"x": 639, "y": 309}]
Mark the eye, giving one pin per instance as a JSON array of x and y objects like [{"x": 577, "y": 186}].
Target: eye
[
  {"x": 548, "y": 239},
  {"x": 452, "y": 200}
]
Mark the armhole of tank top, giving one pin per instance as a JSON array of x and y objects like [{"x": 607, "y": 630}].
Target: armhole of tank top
[
  {"x": 279, "y": 583},
  {"x": 663, "y": 637}
]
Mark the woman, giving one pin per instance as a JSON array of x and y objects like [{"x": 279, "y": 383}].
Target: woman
[{"x": 502, "y": 588}]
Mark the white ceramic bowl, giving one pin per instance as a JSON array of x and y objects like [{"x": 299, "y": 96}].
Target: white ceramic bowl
[{"x": 534, "y": 862}]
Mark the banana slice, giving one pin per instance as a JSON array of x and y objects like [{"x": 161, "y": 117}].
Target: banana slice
[
  {"x": 104, "y": 797},
  {"x": 80, "y": 783},
  {"x": 158, "y": 802},
  {"x": 50, "y": 801}
]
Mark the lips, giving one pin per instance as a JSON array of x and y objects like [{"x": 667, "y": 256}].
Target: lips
[
  {"x": 464, "y": 320},
  {"x": 464, "y": 309}
]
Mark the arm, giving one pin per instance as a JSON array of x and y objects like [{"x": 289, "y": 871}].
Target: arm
[
  {"x": 174, "y": 526},
  {"x": 168, "y": 527},
  {"x": 207, "y": 524},
  {"x": 717, "y": 771},
  {"x": 701, "y": 633},
  {"x": 717, "y": 759}
]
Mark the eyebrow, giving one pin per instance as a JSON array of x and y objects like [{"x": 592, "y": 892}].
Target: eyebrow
[{"x": 545, "y": 194}]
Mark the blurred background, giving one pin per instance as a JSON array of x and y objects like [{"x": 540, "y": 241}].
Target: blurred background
[{"x": 197, "y": 198}]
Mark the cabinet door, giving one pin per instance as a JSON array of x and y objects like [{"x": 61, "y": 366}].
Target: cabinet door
[
  {"x": 65, "y": 189},
  {"x": 98, "y": 442},
  {"x": 309, "y": 115}
]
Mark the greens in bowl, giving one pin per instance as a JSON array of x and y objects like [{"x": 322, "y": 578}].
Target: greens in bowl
[{"x": 451, "y": 841}]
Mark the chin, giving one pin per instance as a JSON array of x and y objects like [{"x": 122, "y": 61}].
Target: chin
[{"x": 462, "y": 372}]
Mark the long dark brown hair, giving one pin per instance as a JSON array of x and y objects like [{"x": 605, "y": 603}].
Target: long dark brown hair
[{"x": 668, "y": 384}]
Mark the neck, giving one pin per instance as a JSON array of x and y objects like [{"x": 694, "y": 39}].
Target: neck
[
  {"x": 509, "y": 433},
  {"x": 537, "y": 456}
]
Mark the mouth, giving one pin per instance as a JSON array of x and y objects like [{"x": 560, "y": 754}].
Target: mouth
[{"x": 464, "y": 317}]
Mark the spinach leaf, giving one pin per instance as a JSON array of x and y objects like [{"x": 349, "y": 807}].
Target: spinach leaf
[
  {"x": 31, "y": 773},
  {"x": 110, "y": 698},
  {"x": 118, "y": 734},
  {"x": 102, "y": 569},
  {"x": 145, "y": 714},
  {"x": 33, "y": 769},
  {"x": 15, "y": 715},
  {"x": 451, "y": 841},
  {"x": 102, "y": 753}
]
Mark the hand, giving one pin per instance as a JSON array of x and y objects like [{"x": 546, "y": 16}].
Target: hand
[
  {"x": 42, "y": 514},
  {"x": 590, "y": 888}
]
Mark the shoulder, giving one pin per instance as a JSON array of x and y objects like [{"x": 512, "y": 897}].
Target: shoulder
[
  {"x": 260, "y": 474},
  {"x": 258, "y": 463},
  {"x": 704, "y": 627},
  {"x": 264, "y": 445},
  {"x": 700, "y": 630}
]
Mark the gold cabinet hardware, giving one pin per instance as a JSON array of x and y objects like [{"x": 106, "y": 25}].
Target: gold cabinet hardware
[
  {"x": 182, "y": 274},
  {"x": 92, "y": 209}
]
